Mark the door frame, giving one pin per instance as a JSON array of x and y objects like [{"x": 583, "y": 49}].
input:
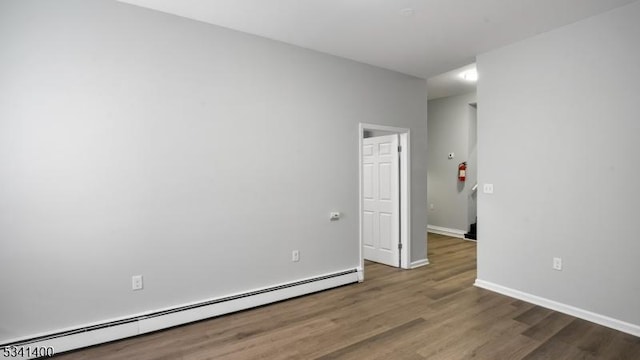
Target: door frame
[{"x": 405, "y": 190}]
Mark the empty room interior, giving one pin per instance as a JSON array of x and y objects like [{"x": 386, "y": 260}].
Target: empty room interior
[{"x": 242, "y": 179}]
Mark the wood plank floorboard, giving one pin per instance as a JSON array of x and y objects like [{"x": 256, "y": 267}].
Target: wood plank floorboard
[{"x": 433, "y": 312}]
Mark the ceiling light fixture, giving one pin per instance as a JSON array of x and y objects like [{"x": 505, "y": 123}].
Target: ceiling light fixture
[
  {"x": 407, "y": 12},
  {"x": 470, "y": 75}
]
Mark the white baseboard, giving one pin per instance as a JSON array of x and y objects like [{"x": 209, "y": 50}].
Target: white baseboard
[
  {"x": 360, "y": 274},
  {"x": 152, "y": 321},
  {"x": 418, "y": 263},
  {"x": 563, "y": 308},
  {"x": 446, "y": 231}
]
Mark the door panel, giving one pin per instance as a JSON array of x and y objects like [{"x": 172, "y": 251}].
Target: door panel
[
  {"x": 367, "y": 231},
  {"x": 385, "y": 181},
  {"x": 367, "y": 150},
  {"x": 386, "y": 234},
  {"x": 367, "y": 191},
  {"x": 381, "y": 199}
]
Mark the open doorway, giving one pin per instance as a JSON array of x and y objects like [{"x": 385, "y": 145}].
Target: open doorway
[
  {"x": 472, "y": 200},
  {"x": 452, "y": 153},
  {"x": 384, "y": 183}
]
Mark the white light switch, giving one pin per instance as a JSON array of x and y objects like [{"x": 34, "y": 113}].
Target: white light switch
[
  {"x": 557, "y": 264},
  {"x": 487, "y": 188},
  {"x": 136, "y": 282}
]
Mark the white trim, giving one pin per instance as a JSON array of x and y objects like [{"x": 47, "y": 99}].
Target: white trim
[
  {"x": 419, "y": 263},
  {"x": 446, "y": 231},
  {"x": 603, "y": 320},
  {"x": 405, "y": 189},
  {"x": 360, "y": 201},
  {"x": 144, "y": 324},
  {"x": 405, "y": 198}
]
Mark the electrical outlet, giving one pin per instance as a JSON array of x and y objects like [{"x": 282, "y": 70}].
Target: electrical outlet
[
  {"x": 431, "y": 207},
  {"x": 295, "y": 255},
  {"x": 557, "y": 264},
  {"x": 487, "y": 188},
  {"x": 136, "y": 282}
]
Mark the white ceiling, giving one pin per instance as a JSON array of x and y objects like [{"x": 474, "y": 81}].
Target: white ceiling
[{"x": 441, "y": 34}]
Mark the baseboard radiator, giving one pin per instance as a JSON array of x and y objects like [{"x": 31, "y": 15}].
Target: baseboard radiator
[{"x": 71, "y": 339}]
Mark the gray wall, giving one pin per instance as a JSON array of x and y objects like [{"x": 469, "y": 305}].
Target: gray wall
[
  {"x": 135, "y": 142},
  {"x": 452, "y": 128},
  {"x": 558, "y": 137}
]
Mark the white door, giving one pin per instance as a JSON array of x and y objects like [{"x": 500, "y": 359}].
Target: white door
[{"x": 381, "y": 203}]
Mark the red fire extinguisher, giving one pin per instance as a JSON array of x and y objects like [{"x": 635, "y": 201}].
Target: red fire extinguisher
[{"x": 462, "y": 171}]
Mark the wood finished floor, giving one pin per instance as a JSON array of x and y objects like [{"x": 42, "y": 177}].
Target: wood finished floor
[{"x": 433, "y": 312}]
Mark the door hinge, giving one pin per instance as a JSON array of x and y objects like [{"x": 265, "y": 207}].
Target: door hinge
[
  {"x": 399, "y": 246},
  {"x": 399, "y": 148}
]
